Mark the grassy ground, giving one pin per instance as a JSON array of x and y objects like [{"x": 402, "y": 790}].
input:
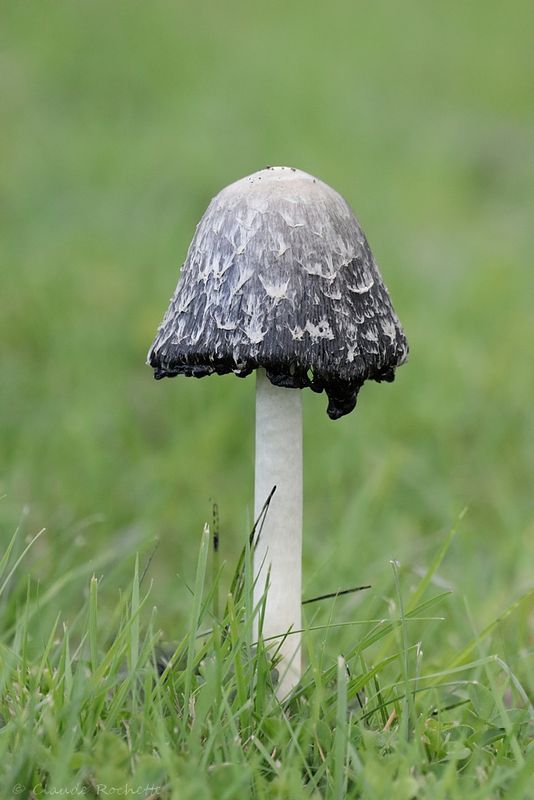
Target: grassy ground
[{"x": 119, "y": 122}]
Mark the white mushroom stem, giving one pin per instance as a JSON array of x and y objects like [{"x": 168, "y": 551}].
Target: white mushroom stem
[{"x": 278, "y": 552}]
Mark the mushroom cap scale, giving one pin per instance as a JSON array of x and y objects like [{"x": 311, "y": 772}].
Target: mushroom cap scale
[{"x": 279, "y": 275}]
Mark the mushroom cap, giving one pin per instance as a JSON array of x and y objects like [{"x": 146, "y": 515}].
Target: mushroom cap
[{"x": 279, "y": 275}]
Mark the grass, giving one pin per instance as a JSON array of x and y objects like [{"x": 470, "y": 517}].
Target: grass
[
  {"x": 119, "y": 122},
  {"x": 103, "y": 704}
]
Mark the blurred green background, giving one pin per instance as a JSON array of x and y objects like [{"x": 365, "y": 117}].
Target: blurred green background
[{"x": 119, "y": 122}]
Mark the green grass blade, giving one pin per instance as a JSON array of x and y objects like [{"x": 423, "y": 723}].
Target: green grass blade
[
  {"x": 18, "y": 560},
  {"x": 434, "y": 564},
  {"x": 200, "y": 580},
  {"x": 340, "y": 735},
  {"x": 93, "y": 623}
]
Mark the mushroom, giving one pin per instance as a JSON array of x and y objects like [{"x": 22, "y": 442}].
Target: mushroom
[{"x": 280, "y": 279}]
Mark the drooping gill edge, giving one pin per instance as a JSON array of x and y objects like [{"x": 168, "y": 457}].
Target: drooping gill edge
[
  {"x": 342, "y": 395},
  {"x": 280, "y": 276}
]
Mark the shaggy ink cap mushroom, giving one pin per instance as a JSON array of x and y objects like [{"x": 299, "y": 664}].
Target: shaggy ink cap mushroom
[{"x": 280, "y": 276}]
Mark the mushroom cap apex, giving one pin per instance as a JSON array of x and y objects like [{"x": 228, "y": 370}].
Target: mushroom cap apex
[{"x": 288, "y": 181}]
